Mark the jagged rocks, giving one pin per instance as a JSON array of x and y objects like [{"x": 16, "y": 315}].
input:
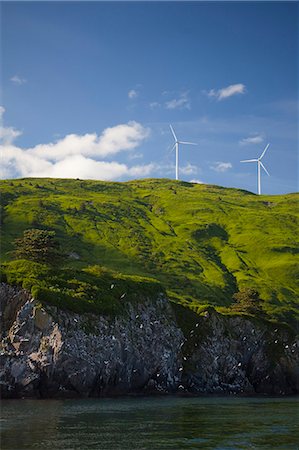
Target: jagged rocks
[
  {"x": 57, "y": 353},
  {"x": 48, "y": 352},
  {"x": 11, "y": 299},
  {"x": 241, "y": 355}
]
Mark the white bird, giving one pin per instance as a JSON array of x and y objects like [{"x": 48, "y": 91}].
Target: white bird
[
  {"x": 259, "y": 165},
  {"x": 176, "y": 146}
]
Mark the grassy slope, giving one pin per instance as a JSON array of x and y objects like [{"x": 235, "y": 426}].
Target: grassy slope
[{"x": 201, "y": 242}]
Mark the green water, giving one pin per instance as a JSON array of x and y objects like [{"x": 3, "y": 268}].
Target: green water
[{"x": 150, "y": 423}]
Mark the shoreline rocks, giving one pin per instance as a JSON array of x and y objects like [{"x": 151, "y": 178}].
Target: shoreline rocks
[{"x": 50, "y": 353}]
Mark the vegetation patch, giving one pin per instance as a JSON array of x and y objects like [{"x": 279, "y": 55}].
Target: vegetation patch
[{"x": 201, "y": 243}]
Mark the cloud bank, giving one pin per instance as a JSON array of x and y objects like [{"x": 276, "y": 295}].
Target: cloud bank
[{"x": 74, "y": 156}]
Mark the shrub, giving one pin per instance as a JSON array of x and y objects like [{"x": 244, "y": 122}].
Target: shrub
[
  {"x": 39, "y": 246},
  {"x": 3, "y": 277},
  {"x": 247, "y": 300},
  {"x": 17, "y": 272}
]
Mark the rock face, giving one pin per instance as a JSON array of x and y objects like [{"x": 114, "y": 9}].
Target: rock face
[
  {"x": 48, "y": 352},
  {"x": 233, "y": 354},
  {"x": 56, "y": 353}
]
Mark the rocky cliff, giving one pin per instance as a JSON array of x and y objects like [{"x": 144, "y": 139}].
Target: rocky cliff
[{"x": 48, "y": 352}]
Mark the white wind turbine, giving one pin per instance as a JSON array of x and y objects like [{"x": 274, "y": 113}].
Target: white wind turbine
[
  {"x": 176, "y": 146},
  {"x": 259, "y": 165}
]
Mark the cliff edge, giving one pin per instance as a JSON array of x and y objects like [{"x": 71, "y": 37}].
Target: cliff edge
[{"x": 153, "y": 347}]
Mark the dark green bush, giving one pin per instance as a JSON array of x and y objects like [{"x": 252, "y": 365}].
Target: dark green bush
[
  {"x": 3, "y": 277},
  {"x": 39, "y": 246},
  {"x": 248, "y": 300},
  {"x": 62, "y": 300}
]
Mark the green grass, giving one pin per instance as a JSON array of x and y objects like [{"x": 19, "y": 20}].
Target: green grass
[
  {"x": 92, "y": 289},
  {"x": 201, "y": 242}
]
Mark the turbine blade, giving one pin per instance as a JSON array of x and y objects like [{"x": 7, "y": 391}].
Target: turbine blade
[
  {"x": 264, "y": 168},
  {"x": 265, "y": 149},
  {"x": 170, "y": 150},
  {"x": 250, "y": 160},
  {"x": 187, "y": 143},
  {"x": 173, "y": 133}
]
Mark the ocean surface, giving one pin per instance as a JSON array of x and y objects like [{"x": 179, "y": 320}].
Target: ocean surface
[{"x": 222, "y": 423}]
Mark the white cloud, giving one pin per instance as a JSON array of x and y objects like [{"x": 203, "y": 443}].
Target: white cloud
[
  {"x": 189, "y": 169},
  {"x": 182, "y": 102},
  {"x": 196, "y": 181},
  {"x": 136, "y": 155},
  {"x": 258, "y": 139},
  {"x": 7, "y": 134},
  {"x": 123, "y": 137},
  {"x": 74, "y": 156},
  {"x": 165, "y": 169},
  {"x": 154, "y": 105},
  {"x": 18, "y": 80},
  {"x": 18, "y": 162},
  {"x": 78, "y": 166},
  {"x": 221, "y": 166},
  {"x": 132, "y": 94},
  {"x": 227, "y": 92},
  {"x": 169, "y": 169},
  {"x": 142, "y": 170}
]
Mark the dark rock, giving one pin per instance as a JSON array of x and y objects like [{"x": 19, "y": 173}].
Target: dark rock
[
  {"x": 236, "y": 355},
  {"x": 49, "y": 353}
]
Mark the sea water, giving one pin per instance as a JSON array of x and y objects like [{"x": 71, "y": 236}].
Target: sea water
[{"x": 222, "y": 423}]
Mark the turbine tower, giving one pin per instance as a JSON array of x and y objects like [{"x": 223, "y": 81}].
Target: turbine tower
[
  {"x": 176, "y": 146},
  {"x": 259, "y": 165}
]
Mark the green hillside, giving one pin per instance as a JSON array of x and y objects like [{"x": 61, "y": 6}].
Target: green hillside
[{"x": 202, "y": 243}]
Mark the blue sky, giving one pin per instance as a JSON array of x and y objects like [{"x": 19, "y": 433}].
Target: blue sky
[{"x": 88, "y": 90}]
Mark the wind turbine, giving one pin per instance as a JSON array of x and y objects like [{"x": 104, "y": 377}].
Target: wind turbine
[
  {"x": 259, "y": 165},
  {"x": 176, "y": 146}
]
